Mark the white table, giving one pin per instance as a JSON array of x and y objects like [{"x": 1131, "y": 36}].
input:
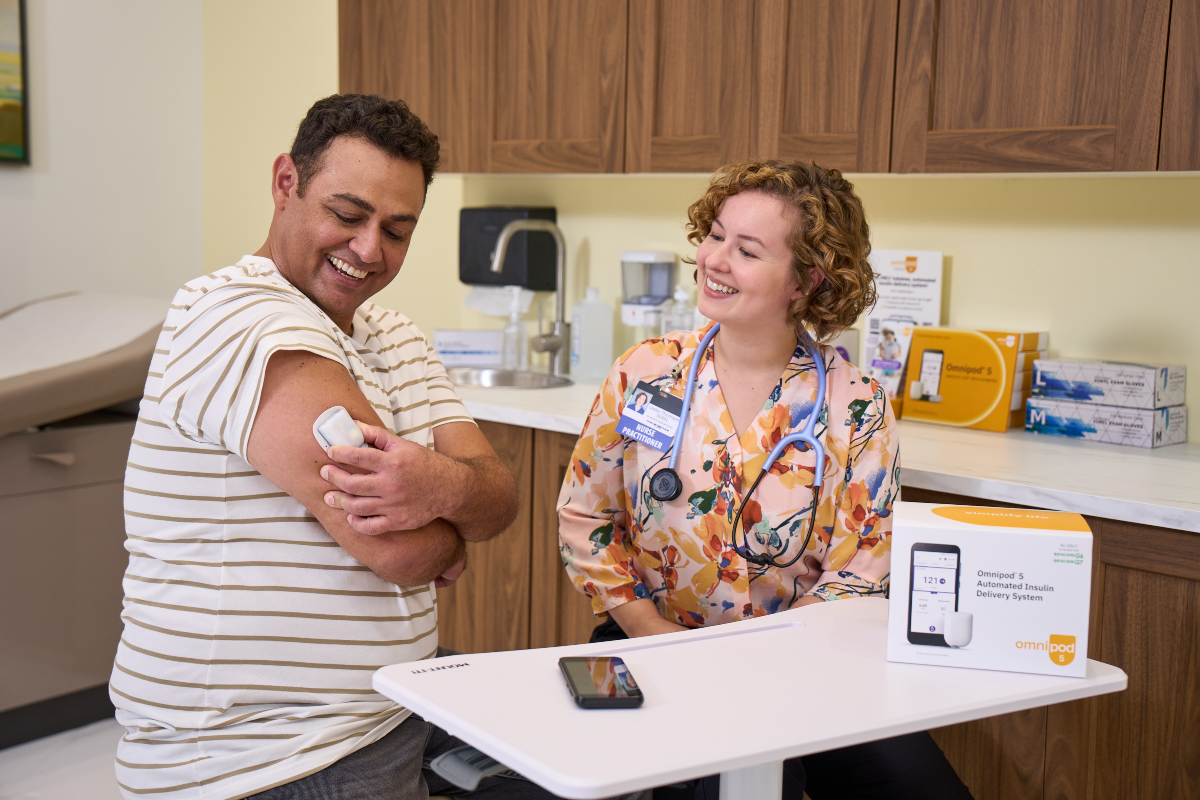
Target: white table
[{"x": 799, "y": 682}]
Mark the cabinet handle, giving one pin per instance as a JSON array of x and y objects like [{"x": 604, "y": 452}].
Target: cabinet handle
[{"x": 62, "y": 459}]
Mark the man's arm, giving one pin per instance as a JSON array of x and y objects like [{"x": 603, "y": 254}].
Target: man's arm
[
  {"x": 297, "y": 388},
  {"x": 464, "y": 482}
]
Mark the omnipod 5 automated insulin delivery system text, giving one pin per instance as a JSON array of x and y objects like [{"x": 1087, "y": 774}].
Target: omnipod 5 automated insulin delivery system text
[{"x": 990, "y": 588}]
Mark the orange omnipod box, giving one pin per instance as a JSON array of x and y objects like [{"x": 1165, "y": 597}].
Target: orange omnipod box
[{"x": 970, "y": 379}]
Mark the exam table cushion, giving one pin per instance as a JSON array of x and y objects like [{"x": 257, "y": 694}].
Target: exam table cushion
[{"x": 70, "y": 354}]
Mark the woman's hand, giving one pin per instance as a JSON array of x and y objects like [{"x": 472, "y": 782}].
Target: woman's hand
[
  {"x": 404, "y": 486},
  {"x": 640, "y": 618}
]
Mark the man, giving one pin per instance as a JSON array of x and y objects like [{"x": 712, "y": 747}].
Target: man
[{"x": 259, "y": 597}]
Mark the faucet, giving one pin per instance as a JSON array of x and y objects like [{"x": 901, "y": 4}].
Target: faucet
[{"x": 556, "y": 341}]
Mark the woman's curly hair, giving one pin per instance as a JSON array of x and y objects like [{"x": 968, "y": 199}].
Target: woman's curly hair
[{"x": 832, "y": 235}]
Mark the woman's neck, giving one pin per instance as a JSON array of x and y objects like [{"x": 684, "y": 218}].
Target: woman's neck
[{"x": 756, "y": 350}]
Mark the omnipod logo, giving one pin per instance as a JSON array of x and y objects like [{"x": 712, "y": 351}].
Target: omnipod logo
[{"x": 1061, "y": 649}]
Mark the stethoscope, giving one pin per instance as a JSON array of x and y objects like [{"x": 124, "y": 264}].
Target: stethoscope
[{"x": 666, "y": 485}]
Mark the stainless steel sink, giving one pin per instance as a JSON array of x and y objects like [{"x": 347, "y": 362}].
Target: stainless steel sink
[{"x": 511, "y": 379}]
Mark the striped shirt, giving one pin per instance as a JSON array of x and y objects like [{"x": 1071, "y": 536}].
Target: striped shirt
[{"x": 250, "y": 634}]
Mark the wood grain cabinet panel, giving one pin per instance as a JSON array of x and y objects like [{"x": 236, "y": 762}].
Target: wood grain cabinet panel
[
  {"x": 692, "y": 82},
  {"x": 824, "y": 82},
  {"x": 557, "y": 86},
  {"x": 1028, "y": 85},
  {"x": 487, "y": 609},
  {"x": 1179, "y": 146},
  {"x": 560, "y": 614}
]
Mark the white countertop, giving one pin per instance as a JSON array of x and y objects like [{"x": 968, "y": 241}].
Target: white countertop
[{"x": 1158, "y": 487}]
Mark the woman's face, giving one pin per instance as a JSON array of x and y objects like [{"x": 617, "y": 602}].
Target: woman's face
[{"x": 744, "y": 264}]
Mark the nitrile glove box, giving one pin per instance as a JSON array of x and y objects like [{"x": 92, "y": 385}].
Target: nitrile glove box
[
  {"x": 1134, "y": 427},
  {"x": 990, "y": 588},
  {"x": 1110, "y": 383}
]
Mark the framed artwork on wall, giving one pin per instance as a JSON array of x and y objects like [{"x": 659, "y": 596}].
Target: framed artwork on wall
[{"x": 14, "y": 117}]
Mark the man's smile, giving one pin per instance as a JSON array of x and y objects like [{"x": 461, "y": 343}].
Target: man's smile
[{"x": 346, "y": 269}]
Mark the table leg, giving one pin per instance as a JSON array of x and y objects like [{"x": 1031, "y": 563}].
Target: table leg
[{"x": 753, "y": 783}]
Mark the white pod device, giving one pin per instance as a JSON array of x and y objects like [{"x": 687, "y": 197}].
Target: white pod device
[{"x": 337, "y": 427}]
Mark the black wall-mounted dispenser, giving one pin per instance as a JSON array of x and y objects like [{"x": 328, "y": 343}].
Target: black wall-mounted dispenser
[{"x": 530, "y": 258}]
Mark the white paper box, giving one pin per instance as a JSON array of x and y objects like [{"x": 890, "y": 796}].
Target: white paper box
[
  {"x": 469, "y": 348},
  {"x": 1110, "y": 383},
  {"x": 1135, "y": 427},
  {"x": 1012, "y": 586}
]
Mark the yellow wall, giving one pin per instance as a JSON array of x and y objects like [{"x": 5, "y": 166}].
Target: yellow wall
[
  {"x": 265, "y": 63},
  {"x": 1110, "y": 265}
]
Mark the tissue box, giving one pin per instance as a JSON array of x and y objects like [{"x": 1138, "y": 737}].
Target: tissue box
[
  {"x": 469, "y": 348},
  {"x": 1136, "y": 427},
  {"x": 990, "y": 588},
  {"x": 1110, "y": 383}
]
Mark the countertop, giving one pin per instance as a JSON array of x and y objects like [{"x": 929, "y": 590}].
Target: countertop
[{"x": 1159, "y": 487}]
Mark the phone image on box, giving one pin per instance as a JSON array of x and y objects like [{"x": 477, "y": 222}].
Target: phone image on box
[
  {"x": 933, "y": 577},
  {"x": 931, "y": 374},
  {"x": 601, "y": 682}
]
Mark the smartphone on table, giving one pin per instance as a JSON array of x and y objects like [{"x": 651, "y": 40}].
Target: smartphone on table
[
  {"x": 600, "y": 682},
  {"x": 933, "y": 578}
]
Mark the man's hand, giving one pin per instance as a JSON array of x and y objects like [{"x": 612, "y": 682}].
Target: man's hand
[
  {"x": 453, "y": 573},
  {"x": 462, "y": 481},
  {"x": 405, "y": 486}
]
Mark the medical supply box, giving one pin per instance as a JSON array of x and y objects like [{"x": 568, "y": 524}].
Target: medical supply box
[
  {"x": 1135, "y": 427},
  {"x": 468, "y": 348},
  {"x": 1110, "y": 383},
  {"x": 990, "y": 588},
  {"x": 970, "y": 379}
]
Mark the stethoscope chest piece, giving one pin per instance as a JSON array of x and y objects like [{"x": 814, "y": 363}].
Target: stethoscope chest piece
[{"x": 665, "y": 485}]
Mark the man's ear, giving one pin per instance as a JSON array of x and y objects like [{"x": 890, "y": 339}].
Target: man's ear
[{"x": 285, "y": 180}]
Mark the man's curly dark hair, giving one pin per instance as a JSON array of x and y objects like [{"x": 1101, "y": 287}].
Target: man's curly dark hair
[
  {"x": 387, "y": 124},
  {"x": 831, "y": 235}
]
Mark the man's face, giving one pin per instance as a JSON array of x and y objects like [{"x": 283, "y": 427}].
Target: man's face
[{"x": 347, "y": 237}]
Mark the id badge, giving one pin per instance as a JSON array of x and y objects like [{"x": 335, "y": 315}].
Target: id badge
[{"x": 650, "y": 417}]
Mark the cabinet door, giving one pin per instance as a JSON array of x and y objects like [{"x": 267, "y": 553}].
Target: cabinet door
[
  {"x": 560, "y": 614},
  {"x": 487, "y": 609},
  {"x": 432, "y": 54},
  {"x": 825, "y": 91},
  {"x": 692, "y": 81},
  {"x": 1029, "y": 85},
  {"x": 1180, "y": 146},
  {"x": 557, "y": 86},
  {"x": 60, "y": 588}
]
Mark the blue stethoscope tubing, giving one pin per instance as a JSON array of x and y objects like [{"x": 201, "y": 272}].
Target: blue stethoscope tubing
[{"x": 665, "y": 485}]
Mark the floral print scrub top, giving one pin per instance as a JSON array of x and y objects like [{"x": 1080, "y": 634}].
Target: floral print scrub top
[{"x": 619, "y": 544}]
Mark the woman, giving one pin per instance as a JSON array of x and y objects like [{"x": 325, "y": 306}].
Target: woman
[{"x": 781, "y": 259}]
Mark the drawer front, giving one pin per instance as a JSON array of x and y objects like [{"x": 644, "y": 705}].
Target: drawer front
[
  {"x": 63, "y": 457},
  {"x": 60, "y": 589}
]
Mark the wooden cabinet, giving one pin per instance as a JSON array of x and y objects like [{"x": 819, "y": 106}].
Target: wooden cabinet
[
  {"x": 1179, "y": 146},
  {"x": 1029, "y": 85},
  {"x": 515, "y": 593},
  {"x": 720, "y": 80},
  {"x": 1143, "y": 742},
  {"x": 508, "y": 85},
  {"x": 865, "y": 86}
]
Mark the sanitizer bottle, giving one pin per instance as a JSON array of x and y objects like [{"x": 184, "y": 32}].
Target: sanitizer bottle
[
  {"x": 591, "y": 337},
  {"x": 515, "y": 353},
  {"x": 680, "y": 312}
]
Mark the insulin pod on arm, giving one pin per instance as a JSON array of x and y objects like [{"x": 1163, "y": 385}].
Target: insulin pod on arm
[{"x": 336, "y": 427}]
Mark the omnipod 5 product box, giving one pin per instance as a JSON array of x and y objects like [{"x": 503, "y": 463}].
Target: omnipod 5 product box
[
  {"x": 990, "y": 588},
  {"x": 969, "y": 379}
]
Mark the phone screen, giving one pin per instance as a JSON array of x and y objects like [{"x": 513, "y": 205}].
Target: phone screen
[
  {"x": 931, "y": 371},
  {"x": 934, "y": 590},
  {"x": 601, "y": 677}
]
